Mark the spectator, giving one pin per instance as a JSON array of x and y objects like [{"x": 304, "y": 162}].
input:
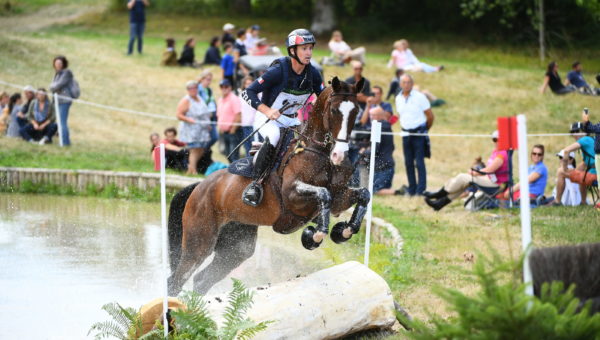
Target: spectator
[
  {"x": 4, "y": 99},
  {"x": 62, "y": 85},
  {"x": 228, "y": 34},
  {"x": 29, "y": 94},
  {"x": 137, "y": 23},
  {"x": 188, "y": 56},
  {"x": 585, "y": 173},
  {"x": 358, "y": 140},
  {"x": 538, "y": 176},
  {"x": 169, "y": 56},
  {"x": 228, "y": 63},
  {"x": 496, "y": 171},
  {"x": 571, "y": 195},
  {"x": 342, "y": 52},
  {"x": 4, "y": 118},
  {"x": 206, "y": 93},
  {"x": 395, "y": 89},
  {"x": 248, "y": 115},
  {"x": 229, "y": 118},
  {"x": 588, "y": 127},
  {"x": 175, "y": 153},
  {"x": 415, "y": 117},
  {"x": 14, "y": 107},
  {"x": 239, "y": 50},
  {"x": 252, "y": 37},
  {"x": 403, "y": 58},
  {"x": 384, "y": 161},
  {"x": 41, "y": 117},
  {"x": 552, "y": 79},
  {"x": 213, "y": 55},
  {"x": 575, "y": 78},
  {"x": 239, "y": 47},
  {"x": 195, "y": 126}
]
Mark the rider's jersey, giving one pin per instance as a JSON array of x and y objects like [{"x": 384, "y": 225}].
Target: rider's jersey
[{"x": 280, "y": 79}]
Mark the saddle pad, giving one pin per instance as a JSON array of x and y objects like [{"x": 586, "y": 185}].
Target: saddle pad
[{"x": 242, "y": 167}]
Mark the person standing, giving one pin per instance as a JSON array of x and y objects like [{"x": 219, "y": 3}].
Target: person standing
[
  {"x": 194, "y": 128},
  {"x": 415, "y": 117},
  {"x": 229, "y": 115},
  {"x": 206, "y": 93},
  {"x": 137, "y": 23},
  {"x": 61, "y": 85},
  {"x": 228, "y": 62}
]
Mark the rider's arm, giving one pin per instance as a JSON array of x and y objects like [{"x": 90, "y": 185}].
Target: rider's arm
[{"x": 270, "y": 79}]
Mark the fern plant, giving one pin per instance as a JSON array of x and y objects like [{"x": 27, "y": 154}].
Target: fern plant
[
  {"x": 193, "y": 322},
  {"x": 502, "y": 310}
]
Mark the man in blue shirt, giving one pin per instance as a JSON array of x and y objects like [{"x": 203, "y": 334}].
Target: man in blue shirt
[
  {"x": 137, "y": 23},
  {"x": 575, "y": 78},
  {"x": 285, "y": 86},
  {"x": 585, "y": 173}
]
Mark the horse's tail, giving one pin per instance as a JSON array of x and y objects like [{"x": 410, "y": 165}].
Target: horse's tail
[{"x": 175, "y": 228}]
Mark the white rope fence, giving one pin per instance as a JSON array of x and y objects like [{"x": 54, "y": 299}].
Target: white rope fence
[{"x": 168, "y": 117}]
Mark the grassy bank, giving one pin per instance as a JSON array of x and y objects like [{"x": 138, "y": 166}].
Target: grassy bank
[{"x": 480, "y": 84}]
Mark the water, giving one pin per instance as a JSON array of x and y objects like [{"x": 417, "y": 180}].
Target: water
[{"x": 62, "y": 258}]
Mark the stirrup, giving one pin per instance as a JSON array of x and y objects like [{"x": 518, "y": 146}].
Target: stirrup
[{"x": 259, "y": 192}]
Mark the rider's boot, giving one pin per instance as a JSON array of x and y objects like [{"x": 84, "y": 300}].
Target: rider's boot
[{"x": 253, "y": 193}]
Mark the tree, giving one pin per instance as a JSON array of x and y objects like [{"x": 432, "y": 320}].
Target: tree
[{"x": 323, "y": 19}]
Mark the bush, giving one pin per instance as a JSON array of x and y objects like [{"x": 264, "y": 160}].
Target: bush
[{"x": 502, "y": 310}]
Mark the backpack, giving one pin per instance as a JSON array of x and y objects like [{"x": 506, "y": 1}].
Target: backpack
[{"x": 74, "y": 89}]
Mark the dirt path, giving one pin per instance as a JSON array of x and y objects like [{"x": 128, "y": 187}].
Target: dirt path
[{"x": 59, "y": 14}]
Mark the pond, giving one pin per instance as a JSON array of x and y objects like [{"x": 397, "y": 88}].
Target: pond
[{"x": 62, "y": 258}]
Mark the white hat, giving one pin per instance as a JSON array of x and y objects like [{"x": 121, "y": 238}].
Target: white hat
[
  {"x": 561, "y": 154},
  {"x": 495, "y": 134},
  {"x": 29, "y": 88},
  {"x": 228, "y": 26}
]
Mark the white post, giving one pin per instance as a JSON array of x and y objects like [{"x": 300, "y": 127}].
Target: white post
[
  {"x": 58, "y": 119},
  {"x": 165, "y": 236},
  {"x": 525, "y": 206},
  {"x": 375, "y": 138}
]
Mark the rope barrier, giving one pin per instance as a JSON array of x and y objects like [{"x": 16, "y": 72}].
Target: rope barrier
[{"x": 159, "y": 116}]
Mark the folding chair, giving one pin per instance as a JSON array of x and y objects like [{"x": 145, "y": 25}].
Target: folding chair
[
  {"x": 486, "y": 197},
  {"x": 593, "y": 189}
]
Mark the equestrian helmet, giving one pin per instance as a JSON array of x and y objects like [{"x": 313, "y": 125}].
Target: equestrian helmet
[{"x": 299, "y": 37}]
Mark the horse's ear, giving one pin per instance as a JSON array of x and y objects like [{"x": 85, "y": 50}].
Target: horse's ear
[
  {"x": 359, "y": 86},
  {"x": 337, "y": 86}
]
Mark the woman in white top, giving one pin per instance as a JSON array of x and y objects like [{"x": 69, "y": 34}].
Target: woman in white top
[
  {"x": 195, "y": 126},
  {"x": 403, "y": 58},
  {"x": 342, "y": 51}
]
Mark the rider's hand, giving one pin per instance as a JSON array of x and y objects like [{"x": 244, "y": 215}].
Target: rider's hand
[{"x": 273, "y": 114}]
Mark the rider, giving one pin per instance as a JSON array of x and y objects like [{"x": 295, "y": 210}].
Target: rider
[{"x": 285, "y": 86}]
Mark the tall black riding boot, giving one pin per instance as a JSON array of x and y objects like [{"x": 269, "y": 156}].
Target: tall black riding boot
[
  {"x": 438, "y": 204},
  {"x": 438, "y": 194},
  {"x": 253, "y": 193}
]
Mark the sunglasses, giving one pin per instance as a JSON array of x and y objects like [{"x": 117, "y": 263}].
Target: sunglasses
[{"x": 537, "y": 154}]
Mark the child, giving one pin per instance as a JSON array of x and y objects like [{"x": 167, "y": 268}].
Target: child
[
  {"x": 228, "y": 63},
  {"x": 169, "y": 57}
]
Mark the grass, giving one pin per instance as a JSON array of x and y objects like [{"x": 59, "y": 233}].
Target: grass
[{"x": 480, "y": 84}]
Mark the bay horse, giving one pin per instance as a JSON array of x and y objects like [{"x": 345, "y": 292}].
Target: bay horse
[{"x": 310, "y": 184}]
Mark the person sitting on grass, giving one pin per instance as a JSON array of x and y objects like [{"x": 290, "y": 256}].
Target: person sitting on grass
[
  {"x": 403, "y": 57},
  {"x": 169, "y": 56},
  {"x": 342, "y": 53},
  {"x": 552, "y": 80},
  {"x": 585, "y": 173},
  {"x": 213, "y": 55},
  {"x": 571, "y": 195},
  {"x": 493, "y": 175},
  {"x": 14, "y": 107},
  {"x": 395, "y": 89},
  {"x": 41, "y": 115},
  {"x": 188, "y": 55},
  {"x": 175, "y": 153},
  {"x": 538, "y": 176},
  {"x": 575, "y": 78}
]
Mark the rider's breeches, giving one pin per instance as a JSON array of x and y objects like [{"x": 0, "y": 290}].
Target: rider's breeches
[{"x": 272, "y": 131}]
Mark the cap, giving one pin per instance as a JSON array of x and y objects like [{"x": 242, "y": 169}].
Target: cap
[
  {"x": 261, "y": 41},
  {"x": 228, "y": 26},
  {"x": 576, "y": 127},
  {"x": 495, "y": 134},
  {"x": 561, "y": 154},
  {"x": 255, "y": 27},
  {"x": 29, "y": 88},
  {"x": 191, "y": 83},
  {"x": 225, "y": 82}
]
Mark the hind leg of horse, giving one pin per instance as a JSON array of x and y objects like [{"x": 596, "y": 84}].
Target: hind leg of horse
[
  {"x": 236, "y": 243},
  {"x": 311, "y": 237},
  {"x": 197, "y": 246},
  {"x": 343, "y": 231}
]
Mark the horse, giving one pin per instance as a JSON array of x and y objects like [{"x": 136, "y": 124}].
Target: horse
[{"x": 310, "y": 183}]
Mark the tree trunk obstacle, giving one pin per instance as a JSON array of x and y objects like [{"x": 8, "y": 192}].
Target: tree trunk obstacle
[{"x": 328, "y": 304}]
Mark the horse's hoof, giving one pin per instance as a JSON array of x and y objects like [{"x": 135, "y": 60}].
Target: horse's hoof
[
  {"x": 307, "y": 238},
  {"x": 337, "y": 234}
]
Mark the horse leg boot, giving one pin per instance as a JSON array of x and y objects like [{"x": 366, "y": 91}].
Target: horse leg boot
[
  {"x": 343, "y": 231},
  {"x": 313, "y": 237},
  {"x": 253, "y": 193}
]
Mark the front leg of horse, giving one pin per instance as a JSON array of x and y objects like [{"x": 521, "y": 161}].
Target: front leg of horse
[
  {"x": 343, "y": 231},
  {"x": 313, "y": 237}
]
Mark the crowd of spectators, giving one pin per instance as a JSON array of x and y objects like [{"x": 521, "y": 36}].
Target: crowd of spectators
[{"x": 575, "y": 81}]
